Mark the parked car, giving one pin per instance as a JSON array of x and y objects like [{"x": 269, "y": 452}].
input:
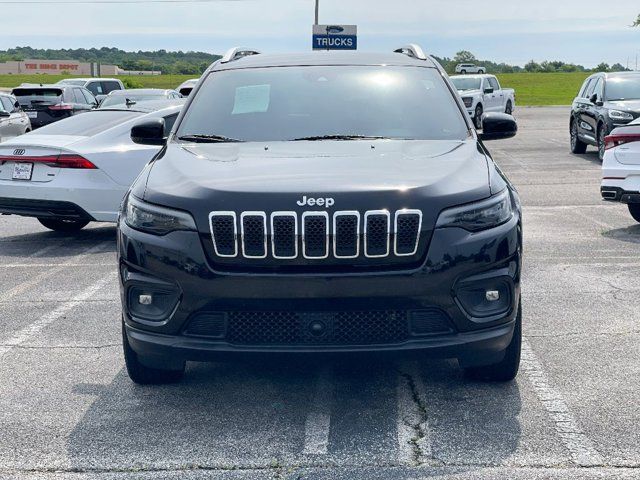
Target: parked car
[
  {"x": 134, "y": 96},
  {"x": 13, "y": 121},
  {"x": 100, "y": 87},
  {"x": 605, "y": 101},
  {"x": 45, "y": 104},
  {"x": 621, "y": 167},
  {"x": 306, "y": 204},
  {"x": 482, "y": 94},
  {"x": 187, "y": 86},
  {"x": 464, "y": 68},
  {"x": 77, "y": 170}
]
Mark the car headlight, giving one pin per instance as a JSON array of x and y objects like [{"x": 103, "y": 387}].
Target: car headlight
[
  {"x": 156, "y": 220},
  {"x": 468, "y": 101},
  {"x": 619, "y": 115},
  {"x": 479, "y": 215}
]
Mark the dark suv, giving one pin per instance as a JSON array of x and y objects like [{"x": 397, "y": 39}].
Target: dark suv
[
  {"x": 605, "y": 101},
  {"x": 45, "y": 104},
  {"x": 321, "y": 203}
]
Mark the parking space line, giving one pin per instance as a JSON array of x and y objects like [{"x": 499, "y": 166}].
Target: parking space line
[
  {"x": 318, "y": 423},
  {"x": 18, "y": 289},
  {"x": 580, "y": 447},
  {"x": 42, "y": 251},
  {"x": 414, "y": 435},
  {"x": 34, "y": 328}
]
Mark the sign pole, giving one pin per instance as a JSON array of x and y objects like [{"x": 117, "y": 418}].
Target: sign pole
[{"x": 317, "y": 10}]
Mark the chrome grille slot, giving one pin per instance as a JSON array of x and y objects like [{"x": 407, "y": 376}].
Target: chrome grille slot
[
  {"x": 224, "y": 233},
  {"x": 254, "y": 234},
  {"x": 315, "y": 235},
  {"x": 346, "y": 234},
  {"x": 284, "y": 235},
  {"x": 377, "y": 230},
  {"x": 407, "y": 232}
]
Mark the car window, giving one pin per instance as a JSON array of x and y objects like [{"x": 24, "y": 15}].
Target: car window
[
  {"x": 494, "y": 84},
  {"x": 119, "y": 100},
  {"x": 89, "y": 98},
  {"x": 599, "y": 88},
  {"x": 5, "y": 104},
  {"x": 623, "y": 88},
  {"x": 466, "y": 83},
  {"x": 583, "y": 89},
  {"x": 90, "y": 123},
  {"x": 95, "y": 88},
  {"x": 271, "y": 104},
  {"x": 110, "y": 86},
  {"x": 79, "y": 96},
  {"x": 592, "y": 85},
  {"x": 169, "y": 122},
  {"x": 38, "y": 96}
]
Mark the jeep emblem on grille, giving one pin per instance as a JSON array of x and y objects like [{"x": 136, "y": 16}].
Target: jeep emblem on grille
[
  {"x": 320, "y": 202},
  {"x": 18, "y": 151}
]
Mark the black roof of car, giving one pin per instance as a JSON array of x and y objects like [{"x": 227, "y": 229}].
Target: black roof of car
[{"x": 323, "y": 58}]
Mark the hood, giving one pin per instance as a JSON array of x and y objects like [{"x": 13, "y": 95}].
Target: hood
[
  {"x": 357, "y": 175},
  {"x": 470, "y": 93},
  {"x": 625, "y": 105}
]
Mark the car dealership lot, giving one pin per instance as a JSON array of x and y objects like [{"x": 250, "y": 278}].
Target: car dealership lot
[{"x": 68, "y": 409}]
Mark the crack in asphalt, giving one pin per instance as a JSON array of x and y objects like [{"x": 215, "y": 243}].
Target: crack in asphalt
[
  {"x": 583, "y": 334},
  {"x": 420, "y": 425}
]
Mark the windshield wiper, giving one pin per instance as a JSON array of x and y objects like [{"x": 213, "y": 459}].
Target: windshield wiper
[
  {"x": 208, "y": 138},
  {"x": 338, "y": 137}
]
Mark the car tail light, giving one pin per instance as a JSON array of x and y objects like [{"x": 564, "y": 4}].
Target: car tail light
[
  {"x": 64, "y": 160},
  {"x": 61, "y": 106},
  {"x": 616, "y": 140}
]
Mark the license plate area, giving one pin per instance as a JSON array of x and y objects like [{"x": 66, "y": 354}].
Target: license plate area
[
  {"x": 32, "y": 114},
  {"x": 22, "y": 171}
]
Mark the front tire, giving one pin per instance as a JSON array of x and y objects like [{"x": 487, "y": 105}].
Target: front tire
[
  {"x": 507, "y": 369},
  {"x": 477, "y": 117},
  {"x": 66, "y": 226},
  {"x": 509, "y": 108},
  {"x": 143, "y": 375},
  {"x": 463, "y": 72},
  {"x": 577, "y": 146},
  {"x": 602, "y": 133},
  {"x": 634, "y": 210}
]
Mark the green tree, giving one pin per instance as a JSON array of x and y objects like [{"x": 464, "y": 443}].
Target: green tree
[
  {"x": 637, "y": 22},
  {"x": 464, "y": 56},
  {"x": 532, "y": 66},
  {"x": 603, "y": 67}
]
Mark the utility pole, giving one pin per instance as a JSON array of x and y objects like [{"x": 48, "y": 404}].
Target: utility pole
[{"x": 317, "y": 10}]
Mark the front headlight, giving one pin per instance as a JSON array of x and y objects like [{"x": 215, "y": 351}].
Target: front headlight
[
  {"x": 619, "y": 115},
  {"x": 156, "y": 220},
  {"x": 468, "y": 101},
  {"x": 479, "y": 215}
]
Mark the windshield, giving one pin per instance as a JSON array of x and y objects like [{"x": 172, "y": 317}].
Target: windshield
[
  {"x": 72, "y": 82},
  {"x": 288, "y": 103},
  {"x": 88, "y": 124},
  {"x": 623, "y": 88},
  {"x": 112, "y": 100},
  {"x": 32, "y": 96},
  {"x": 466, "y": 83}
]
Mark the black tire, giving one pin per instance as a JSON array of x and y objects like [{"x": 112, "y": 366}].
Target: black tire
[
  {"x": 634, "y": 210},
  {"x": 67, "y": 226},
  {"x": 463, "y": 72},
  {"x": 509, "y": 108},
  {"x": 477, "y": 117},
  {"x": 144, "y": 375},
  {"x": 577, "y": 145},
  {"x": 507, "y": 369},
  {"x": 602, "y": 132}
]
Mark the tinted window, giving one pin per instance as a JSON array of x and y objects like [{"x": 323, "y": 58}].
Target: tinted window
[
  {"x": 39, "y": 96},
  {"x": 95, "y": 88},
  {"x": 494, "y": 83},
  {"x": 89, "y": 98},
  {"x": 623, "y": 88},
  {"x": 294, "y": 102},
  {"x": 88, "y": 124},
  {"x": 80, "y": 83},
  {"x": 592, "y": 85},
  {"x": 583, "y": 90},
  {"x": 463, "y": 83},
  {"x": 78, "y": 96},
  {"x": 7, "y": 104},
  {"x": 110, "y": 86},
  {"x": 599, "y": 88},
  {"x": 169, "y": 122}
]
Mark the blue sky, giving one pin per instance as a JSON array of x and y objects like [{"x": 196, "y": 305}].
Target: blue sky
[{"x": 513, "y": 31}]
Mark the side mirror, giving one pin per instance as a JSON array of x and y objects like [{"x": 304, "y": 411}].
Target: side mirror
[
  {"x": 498, "y": 126},
  {"x": 4, "y": 114},
  {"x": 488, "y": 90},
  {"x": 594, "y": 99},
  {"x": 149, "y": 132}
]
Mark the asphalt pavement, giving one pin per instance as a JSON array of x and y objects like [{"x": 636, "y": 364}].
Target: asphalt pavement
[{"x": 68, "y": 409}]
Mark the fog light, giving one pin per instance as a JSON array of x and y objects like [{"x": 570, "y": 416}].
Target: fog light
[
  {"x": 145, "y": 299},
  {"x": 492, "y": 295},
  {"x": 485, "y": 297},
  {"x": 151, "y": 302}
]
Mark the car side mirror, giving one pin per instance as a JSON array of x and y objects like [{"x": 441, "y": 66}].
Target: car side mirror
[
  {"x": 594, "y": 99},
  {"x": 488, "y": 90},
  {"x": 149, "y": 132},
  {"x": 498, "y": 126},
  {"x": 4, "y": 114}
]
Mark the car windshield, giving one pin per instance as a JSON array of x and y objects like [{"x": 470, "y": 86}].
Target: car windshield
[
  {"x": 466, "y": 83},
  {"x": 88, "y": 124},
  {"x": 30, "y": 96},
  {"x": 72, "y": 82},
  {"x": 316, "y": 102},
  {"x": 112, "y": 100},
  {"x": 623, "y": 88}
]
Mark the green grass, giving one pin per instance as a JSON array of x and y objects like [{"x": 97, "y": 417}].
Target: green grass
[{"x": 531, "y": 88}]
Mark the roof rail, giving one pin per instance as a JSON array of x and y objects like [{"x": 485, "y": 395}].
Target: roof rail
[
  {"x": 412, "y": 50},
  {"x": 237, "y": 53}
]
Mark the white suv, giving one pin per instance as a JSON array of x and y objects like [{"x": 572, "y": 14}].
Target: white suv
[{"x": 465, "y": 68}]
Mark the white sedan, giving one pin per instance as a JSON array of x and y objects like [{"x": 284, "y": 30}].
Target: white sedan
[
  {"x": 75, "y": 171},
  {"x": 621, "y": 167}
]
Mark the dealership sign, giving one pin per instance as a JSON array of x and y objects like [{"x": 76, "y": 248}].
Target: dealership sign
[{"x": 335, "y": 37}]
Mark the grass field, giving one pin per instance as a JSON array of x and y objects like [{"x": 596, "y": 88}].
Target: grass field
[{"x": 533, "y": 89}]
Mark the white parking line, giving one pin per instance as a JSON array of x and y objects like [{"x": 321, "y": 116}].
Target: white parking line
[
  {"x": 318, "y": 423},
  {"x": 33, "y": 329},
  {"x": 580, "y": 448},
  {"x": 42, "y": 251},
  {"x": 32, "y": 282},
  {"x": 414, "y": 434}
]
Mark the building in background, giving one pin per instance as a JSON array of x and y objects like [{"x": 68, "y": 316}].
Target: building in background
[{"x": 67, "y": 67}]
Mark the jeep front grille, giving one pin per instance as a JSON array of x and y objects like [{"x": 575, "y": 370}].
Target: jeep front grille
[{"x": 315, "y": 235}]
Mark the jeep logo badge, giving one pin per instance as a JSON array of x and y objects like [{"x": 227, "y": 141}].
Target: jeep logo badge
[
  {"x": 320, "y": 202},
  {"x": 18, "y": 151}
]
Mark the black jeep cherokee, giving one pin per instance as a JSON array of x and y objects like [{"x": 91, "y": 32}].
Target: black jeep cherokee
[{"x": 322, "y": 203}]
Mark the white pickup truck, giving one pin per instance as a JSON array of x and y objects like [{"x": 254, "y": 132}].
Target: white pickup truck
[{"x": 483, "y": 94}]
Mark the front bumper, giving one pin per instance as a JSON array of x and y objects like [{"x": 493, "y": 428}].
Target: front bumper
[{"x": 456, "y": 258}]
